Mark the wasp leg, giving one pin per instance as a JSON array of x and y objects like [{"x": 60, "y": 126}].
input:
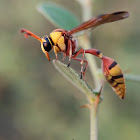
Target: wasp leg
[
  {"x": 70, "y": 52},
  {"x": 76, "y": 54},
  {"x": 56, "y": 49},
  {"x": 82, "y": 64},
  {"x": 85, "y": 61},
  {"x": 90, "y": 51},
  {"x": 64, "y": 56}
]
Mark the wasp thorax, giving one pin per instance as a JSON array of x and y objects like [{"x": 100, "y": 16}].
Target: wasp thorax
[{"x": 47, "y": 43}]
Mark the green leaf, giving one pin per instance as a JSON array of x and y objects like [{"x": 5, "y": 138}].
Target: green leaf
[
  {"x": 74, "y": 78},
  {"x": 59, "y": 16}
]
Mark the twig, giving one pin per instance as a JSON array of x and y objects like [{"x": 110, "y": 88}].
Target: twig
[{"x": 87, "y": 14}]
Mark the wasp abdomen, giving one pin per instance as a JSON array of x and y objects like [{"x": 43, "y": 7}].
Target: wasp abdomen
[{"x": 114, "y": 76}]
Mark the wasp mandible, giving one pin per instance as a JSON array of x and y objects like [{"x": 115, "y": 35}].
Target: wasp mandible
[{"x": 61, "y": 40}]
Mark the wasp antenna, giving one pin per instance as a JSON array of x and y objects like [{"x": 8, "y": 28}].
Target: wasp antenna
[
  {"x": 22, "y": 31},
  {"x": 29, "y": 33}
]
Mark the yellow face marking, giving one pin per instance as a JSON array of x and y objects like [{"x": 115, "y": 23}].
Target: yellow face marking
[
  {"x": 115, "y": 71},
  {"x": 61, "y": 43},
  {"x": 43, "y": 40},
  {"x": 42, "y": 47},
  {"x": 55, "y": 36}
]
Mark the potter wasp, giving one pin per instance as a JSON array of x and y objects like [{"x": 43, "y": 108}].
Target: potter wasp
[{"x": 63, "y": 41}]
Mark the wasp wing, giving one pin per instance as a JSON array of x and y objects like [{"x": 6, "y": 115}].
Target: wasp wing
[{"x": 102, "y": 19}]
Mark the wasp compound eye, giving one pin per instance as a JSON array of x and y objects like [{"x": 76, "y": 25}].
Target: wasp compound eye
[{"x": 47, "y": 45}]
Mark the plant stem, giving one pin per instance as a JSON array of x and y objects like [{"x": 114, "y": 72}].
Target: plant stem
[
  {"x": 93, "y": 123},
  {"x": 87, "y": 14}
]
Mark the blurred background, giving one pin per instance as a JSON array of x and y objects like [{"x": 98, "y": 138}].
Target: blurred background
[{"x": 37, "y": 102}]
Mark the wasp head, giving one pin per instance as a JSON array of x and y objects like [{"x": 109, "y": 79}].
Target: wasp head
[{"x": 46, "y": 45}]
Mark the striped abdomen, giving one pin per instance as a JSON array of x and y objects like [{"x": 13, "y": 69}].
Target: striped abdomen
[{"x": 114, "y": 76}]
